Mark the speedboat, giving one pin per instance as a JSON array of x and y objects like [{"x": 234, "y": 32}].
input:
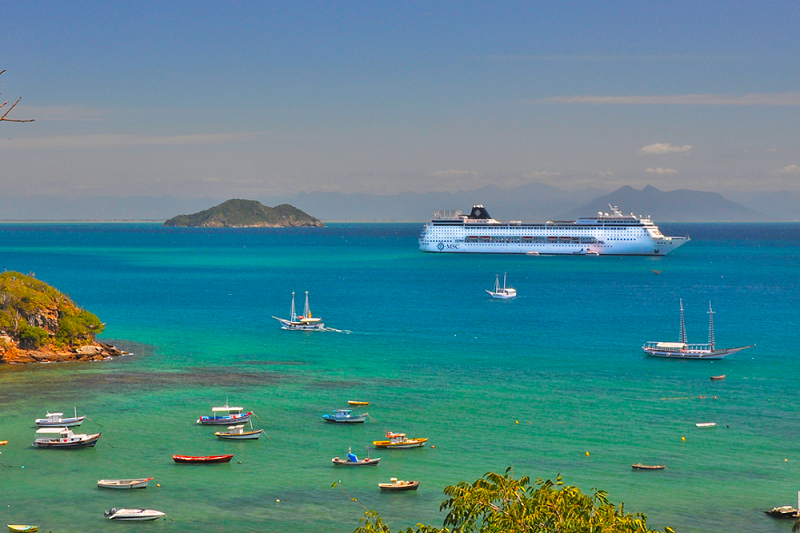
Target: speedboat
[
  {"x": 399, "y": 441},
  {"x": 57, "y": 420},
  {"x": 225, "y": 415},
  {"x": 683, "y": 350},
  {"x": 398, "y": 485},
  {"x": 345, "y": 416},
  {"x": 502, "y": 293},
  {"x": 64, "y": 438},
  {"x": 305, "y": 322},
  {"x": 138, "y": 483},
  {"x": 133, "y": 514}
]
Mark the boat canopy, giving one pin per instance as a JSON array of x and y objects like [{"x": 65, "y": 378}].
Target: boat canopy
[
  {"x": 55, "y": 414},
  {"x": 226, "y": 409},
  {"x": 670, "y": 345},
  {"x": 236, "y": 427},
  {"x": 52, "y": 430}
]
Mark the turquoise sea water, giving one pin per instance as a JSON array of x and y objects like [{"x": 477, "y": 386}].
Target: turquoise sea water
[{"x": 533, "y": 383}]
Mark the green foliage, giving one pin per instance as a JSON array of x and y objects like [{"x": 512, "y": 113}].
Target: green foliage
[
  {"x": 24, "y": 297},
  {"x": 501, "y": 504}
]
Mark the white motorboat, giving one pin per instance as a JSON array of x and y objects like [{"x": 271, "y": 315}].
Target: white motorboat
[
  {"x": 138, "y": 483},
  {"x": 238, "y": 433},
  {"x": 683, "y": 350},
  {"x": 57, "y": 420},
  {"x": 502, "y": 293},
  {"x": 133, "y": 514},
  {"x": 305, "y": 322},
  {"x": 64, "y": 438}
]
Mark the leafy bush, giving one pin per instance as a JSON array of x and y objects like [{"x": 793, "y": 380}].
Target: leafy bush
[{"x": 32, "y": 337}]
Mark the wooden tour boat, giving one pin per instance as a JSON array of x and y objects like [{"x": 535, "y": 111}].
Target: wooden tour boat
[
  {"x": 64, "y": 438},
  {"x": 225, "y": 416},
  {"x": 345, "y": 416},
  {"x": 202, "y": 459},
  {"x": 399, "y": 485},
  {"x": 784, "y": 511},
  {"x": 133, "y": 514},
  {"x": 399, "y": 441},
  {"x": 640, "y": 466},
  {"x": 57, "y": 420},
  {"x": 138, "y": 483},
  {"x": 238, "y": 433},
  {"x": 502, "y": 293},
  {"x": 306, "y": 322}
]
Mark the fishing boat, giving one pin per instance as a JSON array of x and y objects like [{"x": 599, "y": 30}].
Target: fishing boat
[
  {"x": 133, "y": 514},
  {"x": 399, "y": 441},
  {"x": 57, "y": 420},
  {"x": 137, "y": 483},
  {"x": 305, "y": 322},
  {"x": 718, "y": 378},
  {"x": 705, "y": 425},
  {"x": 396, "y": 485},
  {"x": 356, "y": 402},
  {"x": 238, "y": 433},
  {"x": 202, "y": 459},
  {"x": 224, "y": 416},
  {"x": 640, "y": 466},
  {"x": 345, "y": 416},
  {"x": 683, "y": 350},
  {"x": 502, "y": 293},
  {"x": 64, "y": 438},
  {"x": 353, "y": 460},
  {"x": 784, "y": 511},
  {"x": 21, "y": 528}
]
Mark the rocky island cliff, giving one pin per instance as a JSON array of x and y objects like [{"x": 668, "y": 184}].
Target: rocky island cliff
[
  {"x": 246, "y": 214},
  {"x": 40, "y": 324}
]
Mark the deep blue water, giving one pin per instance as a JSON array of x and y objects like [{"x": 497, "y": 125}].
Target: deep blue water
[{"x": 532, "y": 383}]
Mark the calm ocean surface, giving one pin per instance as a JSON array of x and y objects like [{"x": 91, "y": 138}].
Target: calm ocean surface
[{"x": 533, "y": 383}]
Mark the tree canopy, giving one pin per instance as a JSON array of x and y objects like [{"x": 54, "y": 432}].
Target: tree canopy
[{"x": 502, "y": 504}]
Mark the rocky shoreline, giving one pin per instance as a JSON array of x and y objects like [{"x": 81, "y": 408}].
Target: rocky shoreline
[{"x": 97, "y": 351}]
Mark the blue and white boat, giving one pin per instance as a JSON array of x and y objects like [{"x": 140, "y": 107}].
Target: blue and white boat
[
  {"x": 345, "y": 416},
  {"x": 225, "y": 416}
]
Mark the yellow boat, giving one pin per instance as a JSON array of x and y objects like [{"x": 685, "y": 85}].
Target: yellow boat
[
  {"x": 356, "y": 402},
  {"x": 399, "y": 441},
  {"x": 3, "y": 442},
  {"x": 21, "y": 528}
]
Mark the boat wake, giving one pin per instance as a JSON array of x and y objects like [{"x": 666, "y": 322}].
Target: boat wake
[{"x": 337, "y": 330}]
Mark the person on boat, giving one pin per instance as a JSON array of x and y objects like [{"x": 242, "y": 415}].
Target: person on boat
[{"x": 352, "y": 457}]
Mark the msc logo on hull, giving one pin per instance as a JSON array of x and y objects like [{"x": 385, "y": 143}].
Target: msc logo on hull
[{"x": 442, "y": 246}]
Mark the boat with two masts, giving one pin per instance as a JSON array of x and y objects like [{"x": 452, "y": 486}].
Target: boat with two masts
[
  {"x": 225, "y": 415},
  {"x": 683, "y": 350},
  {"x": 305, "y": 322},
  {"x": 399, "y": 441},
  {"x": 504, "y": 292},
  {"x": 603, "y": 234},
  {"x": 62, "y": 438}
]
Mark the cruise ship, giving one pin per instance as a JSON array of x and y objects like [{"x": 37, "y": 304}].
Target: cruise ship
[{"x": 603, "y": 234}]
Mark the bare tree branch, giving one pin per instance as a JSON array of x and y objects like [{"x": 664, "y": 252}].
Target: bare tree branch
[{"x": 5, "y": 115}]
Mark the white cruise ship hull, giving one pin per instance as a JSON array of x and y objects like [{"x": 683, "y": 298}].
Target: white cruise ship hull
[{"x": 615, "y": 234}]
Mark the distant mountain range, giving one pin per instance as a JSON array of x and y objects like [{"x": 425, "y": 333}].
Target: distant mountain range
[{"x": 534, "y": 201}]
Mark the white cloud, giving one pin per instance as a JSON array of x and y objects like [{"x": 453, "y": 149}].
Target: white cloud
[
  {"x": 453, "y": 173},
  {"x": 790, "y": 169},
  {"x": 664, "y": 148},
  {"x": 659, "y": 170},
  {"x": 541, "y": 174},
  {"x": 791, "y": 99}
]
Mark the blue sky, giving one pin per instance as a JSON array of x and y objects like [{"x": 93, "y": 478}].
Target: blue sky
[{"x": 255, "y": 99}]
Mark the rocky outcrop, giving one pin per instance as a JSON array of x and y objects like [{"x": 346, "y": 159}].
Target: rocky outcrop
[
  {"x": 12, "y": 354},
  {"x": 246, "y": 214}
]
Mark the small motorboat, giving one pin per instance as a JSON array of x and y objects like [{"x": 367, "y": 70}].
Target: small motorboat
[
  {"x": 133, "y": 514},
  {"x": 138, "y": 483},
  {"x": 399, "y": 485},
  {"x": 202, "y": 459},
  {"x": 225, "y": 416},
  {"x": 353, "y": 460},
  {"x": 718, "y": 378},
  {"x": 592, "y": 252},
  {"x": 706, "y": 425},
  {"x": 22, "y": 528},
  {"x": 345, "y": 416},
  {"x": 238, "y": 433},
  {"x": 640, "y": 466},
  {"x": 57, "y": 420},
  {"x": 784, "y": 511},
  {"x": 399, "y": 441},
  {"x": 534, "y": 252},
  {"x": 502, "y": 293},
  {"x": 356, "y": 402},
  {"x": 64, "y": 438}
]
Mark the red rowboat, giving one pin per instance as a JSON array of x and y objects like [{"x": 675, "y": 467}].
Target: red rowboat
[{"x": 202, "y": 459}]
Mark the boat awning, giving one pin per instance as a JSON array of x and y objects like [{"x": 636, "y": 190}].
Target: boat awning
[
  {"x": 52, "y": 430},
  {"x": 670, "y": 345},
  {"x": 235, "y": 427},
  {"x": 226, "y": 409},
  {"x": 54, "y": 414}
]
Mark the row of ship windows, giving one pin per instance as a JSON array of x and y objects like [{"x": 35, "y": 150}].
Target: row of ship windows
[
  {"x": 445, "y": 227},
  {"x": 525, "y": 240}
]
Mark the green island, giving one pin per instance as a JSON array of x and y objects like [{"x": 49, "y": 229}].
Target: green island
[
  {"x": 499, "y": 503},
  {"x": 40, "y": 324},
  {"x": 246, "y": 214}
]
